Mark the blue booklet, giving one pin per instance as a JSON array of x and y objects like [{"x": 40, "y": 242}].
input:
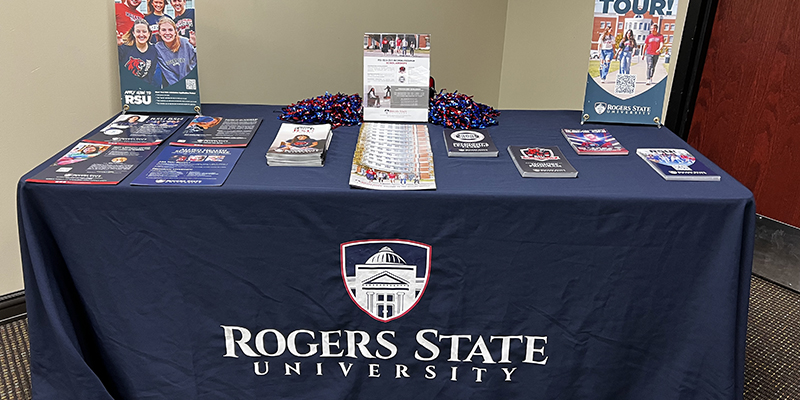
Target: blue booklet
[
  {"x": 677, "y": 165},
  {"x": 189, "y": 166}
]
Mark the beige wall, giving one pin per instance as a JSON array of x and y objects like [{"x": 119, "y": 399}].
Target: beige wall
[{"x": 58, "y": 76}]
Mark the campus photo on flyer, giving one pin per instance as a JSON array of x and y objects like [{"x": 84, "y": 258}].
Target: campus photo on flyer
[
  {"x": 629, "y": 60},
  {"x": 396, "y": 76},
  {"x": 156, "y": 44}
]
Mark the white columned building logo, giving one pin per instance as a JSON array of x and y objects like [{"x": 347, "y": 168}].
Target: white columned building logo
[{"x": 385, "y": 278}]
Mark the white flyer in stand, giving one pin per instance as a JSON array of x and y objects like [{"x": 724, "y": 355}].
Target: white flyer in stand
[{"x": 396, "y": 77}]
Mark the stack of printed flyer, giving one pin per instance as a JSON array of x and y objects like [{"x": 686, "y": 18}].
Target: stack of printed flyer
[
  {"x": 392, "y": 156},
  {"x": 300, "y": 145}
]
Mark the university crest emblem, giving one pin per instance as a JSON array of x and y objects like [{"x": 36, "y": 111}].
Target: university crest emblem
[
  {"x": 385, "y": 278},
  {"x": 600, "y": 107}
]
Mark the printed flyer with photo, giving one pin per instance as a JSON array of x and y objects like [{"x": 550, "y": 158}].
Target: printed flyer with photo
[
  {"x": 629, "y": 60},
  {"x": 189, "y": 166},
  {"x": 156, "y": 45},
  {"x": 137, "y": 130},
  {"x": 206, "y": 131},
  {"x": 396, "y": 77},
  {"x": 94, "y": 164}
]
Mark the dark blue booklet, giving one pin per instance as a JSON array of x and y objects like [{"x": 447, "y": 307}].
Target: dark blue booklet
[{"x": 189, "y": 166}]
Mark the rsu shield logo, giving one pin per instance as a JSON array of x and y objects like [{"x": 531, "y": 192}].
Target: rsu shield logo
[{"x": 385, "y": 278}]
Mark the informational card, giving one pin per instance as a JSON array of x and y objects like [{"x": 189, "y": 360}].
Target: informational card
[
  {"x": 629, "y": 60},
  {"x": 137, "y": 130},
  {"x": 189, "y": 166},
  {"x": 396, "y": 77},
  {"x": 157, "y": 58},
  {"x": 205, "y": 131},
  {"x": 94, "y": 164}
]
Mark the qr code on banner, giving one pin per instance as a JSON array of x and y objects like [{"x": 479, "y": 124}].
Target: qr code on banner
[
  {"x": 625, "y": 84},
  {"x": 191, "y": 84}
]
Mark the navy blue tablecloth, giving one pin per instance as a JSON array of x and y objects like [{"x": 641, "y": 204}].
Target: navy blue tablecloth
[{"x": 614, "y": 285}]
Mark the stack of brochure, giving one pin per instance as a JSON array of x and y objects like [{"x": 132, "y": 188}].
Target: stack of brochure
[
  {"x": 393, "y": 157},
  {"x": 300, "y": 146}
]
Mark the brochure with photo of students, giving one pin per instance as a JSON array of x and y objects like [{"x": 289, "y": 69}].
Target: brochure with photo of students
[
  {"x": 156, "y": 45},
  {"x": 137, "y": 130},
  {"x": 630, "y": 58},
  {"x": 189, "y": 166},
  {"x": 396, "y": 77},
  {"x": 206, "y": 131},
  {"x": 94, "y": 164}
]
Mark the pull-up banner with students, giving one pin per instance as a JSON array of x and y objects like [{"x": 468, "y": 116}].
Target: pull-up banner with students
[
  {"x": 157, "y": 57},
  {"x": 629, "y": 60}
]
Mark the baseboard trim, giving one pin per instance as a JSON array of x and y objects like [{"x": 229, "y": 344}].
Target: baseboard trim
[
  {"x": 776, "y": 255},
  {"x": 12, "y": 306}
]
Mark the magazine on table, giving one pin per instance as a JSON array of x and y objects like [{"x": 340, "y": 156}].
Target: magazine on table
[
  {"x": 677, "y": 165},
  {"x": 94, "y": 163},
  {"x": 541, "y": 162},
  {"x": 593, "y": 142},
  {"x": 189, "y": 166},
  {"x": 469, "y": 143},
  {"x": 206, "y": 131},
  {"x": 137, "y": 129}
]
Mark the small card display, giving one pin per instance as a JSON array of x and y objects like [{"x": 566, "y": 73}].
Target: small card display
[
  {"x": 137, "y": 130},
  {"x": 677, "y": 165},
  {"x": 469, "y": 143},
  {"x": 300, "y": 145},
  {"x": 189, "y": 166},
  {"x": 541, "y": 162},
  {"x": 93, "y": 163},
  {"x": 205, "y": 131},
  {"x": 593, "y": 142}
]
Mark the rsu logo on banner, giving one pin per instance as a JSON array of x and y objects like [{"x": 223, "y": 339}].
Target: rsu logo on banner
[{"x": 137, "y": 97}]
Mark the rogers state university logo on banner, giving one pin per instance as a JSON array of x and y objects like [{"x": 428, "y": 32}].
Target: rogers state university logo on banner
[{"x": 385, "y": 278}]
